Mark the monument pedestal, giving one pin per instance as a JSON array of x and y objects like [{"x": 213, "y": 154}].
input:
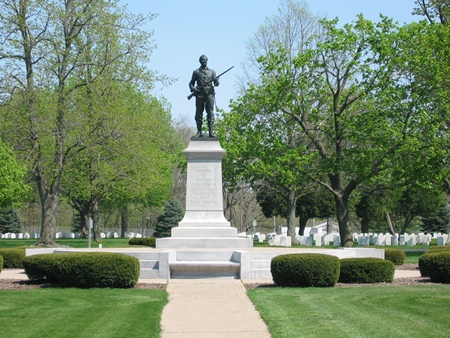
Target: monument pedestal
[{"x": 204, "y": 224}]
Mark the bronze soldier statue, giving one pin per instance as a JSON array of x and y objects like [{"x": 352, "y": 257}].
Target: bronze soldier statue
[{"x": 204, "y": 95}]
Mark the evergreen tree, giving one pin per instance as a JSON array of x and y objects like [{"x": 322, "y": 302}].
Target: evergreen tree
[
  {"x": 173, "y": 213},
  {"x": 10, "y": 221},
  {"x": 440, "y": 222}
]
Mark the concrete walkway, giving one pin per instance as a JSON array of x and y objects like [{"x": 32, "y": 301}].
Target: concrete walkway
[{"x": 210, "y": 308}]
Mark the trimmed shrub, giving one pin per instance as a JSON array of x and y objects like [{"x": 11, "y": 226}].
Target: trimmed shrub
[
  {"x": 423, "y": 263},
  {"x": 316, "y": 270},
  {"x": 396, "y": 256},
  {"x": 366, "y": 270},
  {"x": 85, "y": 269},
  {"x": 435, "y": 265},
  {"x": 1, "y": 263},
  {"x": 13, "y": 257},
  {"x": 42, "y": 266},
  {"x": 147, "y": 241},
  {"x": 438, "y": 249}
]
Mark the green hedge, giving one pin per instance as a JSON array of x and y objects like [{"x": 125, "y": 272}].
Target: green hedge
[
  {"x": 438, "y": 249},
  {"x": 366, "y": 270},
  {"x": 1, "y": 263},
  {"x": 13, "y": 257},
  {"x": 42, "y": 266},
  {"x": 84, "y": 269},
  {"x": 147, "y": 241},
  {"x": 396, "y": 256},
  {"x": 436, "y": 265},
  {"x": 317, "y": 270}
]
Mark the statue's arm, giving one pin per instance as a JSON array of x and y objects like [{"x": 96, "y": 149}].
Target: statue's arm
[
  {"x": 192, "y": 83},
  {"x": 215, "y": 79}
]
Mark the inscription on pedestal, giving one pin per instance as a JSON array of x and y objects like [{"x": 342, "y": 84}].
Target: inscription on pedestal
[{"x": 204, "y": 190}]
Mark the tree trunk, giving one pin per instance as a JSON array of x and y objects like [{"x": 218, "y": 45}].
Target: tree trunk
[
  {"x": 96, "y": 219},
  {"x": 365, "y": 225},
  {"x": 408, "y": 219},
  {"x": 329, "y": 226},
  {"x": 292, "y": 201},
  {"x": 345, "y": 229},
  {"x": 124, "y": 219},
  {"x": 49, "y": 207},
  {"x": 389, "y": 222},
  {"x": 301, "y": 230}
]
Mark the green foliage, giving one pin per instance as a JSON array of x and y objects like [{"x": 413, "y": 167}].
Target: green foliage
[
  {"x": 428, "y": 256},
  {"x": 1, "y": 263},
  {"x": 12, "y": 187},
  {"x": 42, "y": 267},
  {"x": 396, "y": 256},
  {"x": 436, "y": 249},
  {"x": 84, "y": 270},
  {"x": 13, "y": 257},
  {"x": 366, "y": 270},
  {"x": 295, "y": 270},
  {"x": 439, "y": 221},
  {"x": 436, "y": 266},
  {"x": 147, "y": 241},
  {"x": 173, "y": 214},
  {"x": 10, "y": 221},
  {"x": 439, "y": 268}
]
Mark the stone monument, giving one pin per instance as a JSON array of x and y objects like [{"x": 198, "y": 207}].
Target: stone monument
[{"x": 204, "y": 224}]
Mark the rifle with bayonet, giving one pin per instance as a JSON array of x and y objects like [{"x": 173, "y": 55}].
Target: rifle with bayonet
[{"x": 217, "y": 77}]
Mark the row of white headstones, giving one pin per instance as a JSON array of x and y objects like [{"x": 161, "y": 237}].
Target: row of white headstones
[
  {"x": 362, "y": 239},
  {"x": 27, "y": 235}
]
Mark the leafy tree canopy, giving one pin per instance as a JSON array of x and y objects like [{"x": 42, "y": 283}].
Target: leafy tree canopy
[{"x": 12, "y": 187}]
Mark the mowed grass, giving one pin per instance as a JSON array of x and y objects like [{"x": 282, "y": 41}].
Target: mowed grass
[
  {"x": 372, "y": 311},
  {"x": 71, "y": 312},
  {"x": 412, "y": 257}
]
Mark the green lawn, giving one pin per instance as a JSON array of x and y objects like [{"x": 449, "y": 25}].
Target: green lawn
[
  {"x": 412, "y": 257},
  {"x": 402, "y": 311},
  {"x": 71, "y": 312}
]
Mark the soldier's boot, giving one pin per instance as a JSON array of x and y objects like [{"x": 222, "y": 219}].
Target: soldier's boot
[
  {"x": 199, "y": 130},
  {"x": 210, "y": 128}
]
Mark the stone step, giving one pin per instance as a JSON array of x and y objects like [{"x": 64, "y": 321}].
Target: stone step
[
  {"x": 146, "y": 273},
  {"x": 204, "y": 243},
  {"x": 204, "y": 269},
  {"x": 149, "y": 264},
  {"x": 200, "y": 232},
  {"x": 261, "y": 274},
  {"x": 260, "y": 264}
]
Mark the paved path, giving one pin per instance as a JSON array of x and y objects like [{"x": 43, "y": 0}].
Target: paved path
[{"x": 210, "y": 308}]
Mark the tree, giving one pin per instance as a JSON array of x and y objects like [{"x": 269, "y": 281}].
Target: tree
[
  {"x": 12, "y": 186},
  {"x": 130, "y": 161},
  {"x": 437, "y": 222},
  {"x": 10, "y": 221},
  {"x": 44, "y": 50},
  {"x": 433, "y": 10},
  {"x": 293, "y": 27},
  {"x": 312, "y": 202},
  {"x": 173, "y": 214},
  {"x": 342, "y": 96}
]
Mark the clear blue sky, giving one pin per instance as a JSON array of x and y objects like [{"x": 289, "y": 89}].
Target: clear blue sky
[{"x": 186, "y": 29}]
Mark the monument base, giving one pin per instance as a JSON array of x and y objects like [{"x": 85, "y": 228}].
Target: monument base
[
  {"x": 204, "y": 243},
  {"x": 204, "y": 225}
]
